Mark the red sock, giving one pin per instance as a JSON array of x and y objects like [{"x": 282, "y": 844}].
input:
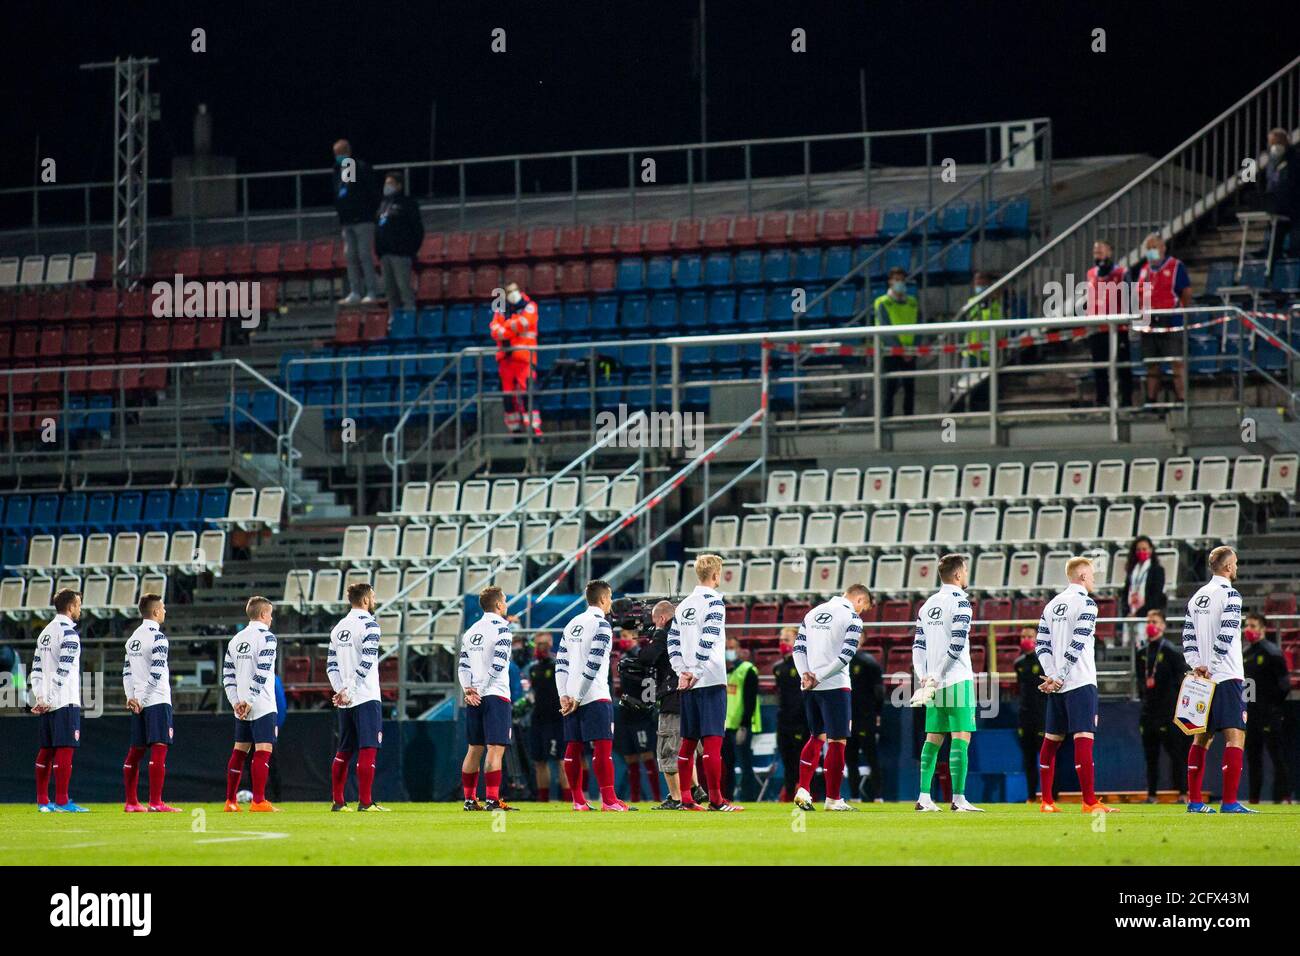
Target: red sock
[
  {"x": 634, "y": 781},
  {"x": 602, "y": 765},
  {"x": 808, "y": 759},
  {"x": 339, "y": 774},
  {"x": 1196, "y": 756},
  {"x": 834, "y": 768},
  {"x": 366, "y": 775},
  {"x": 469, "y": 784},
  {"x": 713, "y": 768},
  {"x": 261, "y": 767},
  {"x": 565, "y": 794},
  {"x": 686, "y": 769},
  {"x": 652, "y": 775},
  {"x": 62, "y": 773},
  {"x": 492, "y": 783},
  {"x": 131, "y": 775},
  {"x": 1047, "y": 768},
  {"x": 1231, "y": 773},
  {"x": 157, "y": 773},
  {"x": 44, "y": 762},
  {"x": 573, "y": 769},
  {"x": 1083, "y": 766},
  {"x": 234, "y": 767}
]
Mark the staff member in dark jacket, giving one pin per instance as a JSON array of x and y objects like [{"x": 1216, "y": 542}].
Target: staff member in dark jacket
[
  {"x": 1033, "y": 708},
  {"x": 1282, "y": 191},
  {"x": 1145, "y": 579},
  {"x": 791, "y": 720},
  {"x": 1266, "y": 714},
  {"x": 546, "y": 729},
  {"x": 1160, "y": 670},
  {"x": 356, "y": 197},
  {"x": 398, "y": 236},
  {"x": 669, "y": 730},
  {"x": 867, "y": 690}
]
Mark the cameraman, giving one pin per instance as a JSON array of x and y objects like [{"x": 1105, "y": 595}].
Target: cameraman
[
  {"x": 670, "y": 715},
  {"x": 634, "y": 718}
]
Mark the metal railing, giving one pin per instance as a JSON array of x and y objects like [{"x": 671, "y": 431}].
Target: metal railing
[
  {"x": 1168, "y": 197},
  {"x": 301, "y": 197}
]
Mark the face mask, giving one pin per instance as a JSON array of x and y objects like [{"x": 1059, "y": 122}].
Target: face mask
[
  {"x": 1153, "y": 255},
  {"x": 1027, "y": 645},
  {"x": 338, "y": 160},
  {"x": 786, "y": 649},
  {"x": 542, "y": 653},
  {"x": 731, "y": 657},
  {"x": 1143, "y": 554},
  {"x": 1276, "y": 151},
  {"x": 900, "y": 287},
  {"x": 626, "y": 644},
  {"x": 1252, "y": 635},
  {"x": 1154, "y": 630},
  {"x": 1103, "y": 265},
  {"x": 514, "y": 297},
  {"x": 980, "y": 288},
  {"x": 390, "y": 190}
]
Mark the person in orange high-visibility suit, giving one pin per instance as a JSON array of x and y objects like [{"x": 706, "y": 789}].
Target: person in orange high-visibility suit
[{"x": 515, "y": 332}]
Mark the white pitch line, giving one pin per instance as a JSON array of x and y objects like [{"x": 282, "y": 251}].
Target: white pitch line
[{"x": 250, "y": 835}]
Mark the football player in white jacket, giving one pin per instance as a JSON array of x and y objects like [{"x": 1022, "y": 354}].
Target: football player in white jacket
[
  {"x": 249, "y": 680},
  {"x": 484, "y": 672}
]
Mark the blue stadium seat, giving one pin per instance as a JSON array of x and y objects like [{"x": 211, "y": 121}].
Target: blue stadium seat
[
  {"x": 18, "y": 514},
  {"x": 749, "y": 268},
  {"x": 99, "y": 514},
  {"x": 808, "y": 265},
  {"x": 663, "y": 313},
  {"x": 751, "y": 308},
  {"x": 430, "y": 323},
  {"x": 900, "y": 256},
  {"x": 375, "y": 370},
  {"x": 75, "y": 420},
  {"x": 659, "y": 273},
  {"x": 691, "y": 314},
  {"x": 1013, "y": 216},
  {"x": 839, "y": 260},
  {"x": 265, "y": 407},
  {"x": 894, "y": 222},
  {"x": 844, "y": 301},
  {"x": 1203, "y": 351},
  {"x": 1286, "y": 275},
  {"x": 876, "y": 268},
  {"x": 14, "y": 552},
  {"x": 1254, "y": 274},
  {"x": 696, "y": 358},
  {"x": 690, "y": 270},
  {"x": 72, "y": 512},
  {"x": 460, "y": 322},
  {"x": 635, "y": 357},
  {"x": 375, "y": 396},
  {"x": 604, "y": 317},
  {"x": 954, "y": 220},
  {"x": 550, "y": 317},
  {"x": 635, "y": 316},
  {"x": 817, "y": 313},
  {"x": 630, "y": 275},
  {"x": 776, "y": 265},
  {"x": 100, "y": 417},
  {"x": 157, "y": 510},
  {"x": 401, "y": 325},
  {"x": 576, "y": 325},
  {"x": 958, "y": 260},
  {"x": 185, "y": 510},
  {"x": 321, "y": 371},
  {"x": 779, "y": 314},
  {"x": 130, "y": 505},
  {"x": 319, "y": 395},
  {"x": 717, "y": 269},
  {"x": 45, "y": 514},
  {"x": 722, "y": 310}
]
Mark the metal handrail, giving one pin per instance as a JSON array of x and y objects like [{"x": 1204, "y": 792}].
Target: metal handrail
[{"x": 1215, "y": 164}]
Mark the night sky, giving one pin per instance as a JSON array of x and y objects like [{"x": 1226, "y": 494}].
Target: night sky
[{"x": 284, "y": 80}]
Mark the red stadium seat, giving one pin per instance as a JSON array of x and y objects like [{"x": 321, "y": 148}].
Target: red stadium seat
[
  {"x": 571, "y": 241},
  {"x": 735, "y": 615},
  {"x": 25, "y": 341},
  {"x": 629, "y": 239},
  {"x": 793, "y": 612},
  {"x": 994, "y": 609},
  {"x": 764, "y": 612},
  {"x": 774, "y": 229},
  {"x": 430, "y": 287},
  {"x": 978, "y": 656},
  {"x": 542, "y": 241},
  {"x": 431, "y": 249},
  {"x": 865, "y": 224},
  {"x": 487, "y": 279},
  {"x": 374, "y": 327},
  {"x": 347, "y": 327},
  {"x": 600, "y": 239},
  {"x": 269, "y": 294},
  {"x": 7, "y": 305},
  {"x": 658, "y": 236},
  {"x": 1106, "y": 607},
  {"x": 293, "y": 257},
  {"x": 1280, "y": 603},
  {"x": 162, "y": 263},
  {"x": 81, "y": 304},
  {"x": 514, "y": 244},
  {"x": 6, "y": 345},
  {"x": 898, "y": 614},
  {"x": 157, "y": 339},
  {"x": 485, "y": 246},
  {"x": 320, "y": 256},
  {"x": 517, "y": 273},
  {"x": 130, "y": 339},
  {"x": 688, "y": 235},
  {"x": 1006, "y": 662},
  {"x": 460, "y": 284},
  {"x": 456, "y": 251},
  {"x": 29, "y": 307},
  {"x": 54, "y": 306},
  {"x": 542, "y": 280},
  {"x": 573, "y": 278},
  {"x": 803, "y": 228},
  {"x": 135, "y": 304},
  {"x": 835, "y": 226},
  {"x": 1029, "y": 609},
  {"x": 266, "y": 259},
  {"x": 103, "y": 338},
  {"x": 744, "y": 232},
  {"x": 717, "y": 231},
  {"x": 49, "y": 380},
  {"x": 213, "y": 261},
  {"x": 187, "y": 261},
  {"x": 210, "y": 334},
  {"x": 21, "y": 419},
  {"x": 106, "y": 304},
  {"x": 898, "y": 661},
  {"x": 76, "y": 344},
  {"x": 185, "y": 334},
  {"x": 602, "y": 275},
  {"x": 240, "y": 260}
]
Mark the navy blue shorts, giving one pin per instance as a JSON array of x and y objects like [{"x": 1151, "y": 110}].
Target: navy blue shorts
[
  {"x": 361, "y": 726},
  {"x": 490, "y": 722},
  {"x": 1072, "y": 712},
  {"x": 594, "y": 721},
  {"x": 704, "y": 712},
  {"x": 153, "y": 725},
  {"x": 260, "y": 731},
  {"x": 61, "y": 728},
  {"x": 635, "y": 734},
  {"x": 1228, "y": 708},
  {"x": 546, "y": 740},
  {"x": 829, "y": 712}
]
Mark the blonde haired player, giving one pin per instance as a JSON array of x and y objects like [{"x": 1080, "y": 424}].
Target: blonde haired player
[{"x": 249, "y": 681}]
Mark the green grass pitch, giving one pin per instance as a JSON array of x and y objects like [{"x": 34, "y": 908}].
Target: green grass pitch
[{"x": 423, "y": 833}]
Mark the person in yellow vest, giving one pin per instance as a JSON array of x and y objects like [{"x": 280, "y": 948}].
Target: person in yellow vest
[
  {"x": 977, "y": 342},
  {"x": 897, "y": 307},
  {"x": 744, "y": 719}
]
